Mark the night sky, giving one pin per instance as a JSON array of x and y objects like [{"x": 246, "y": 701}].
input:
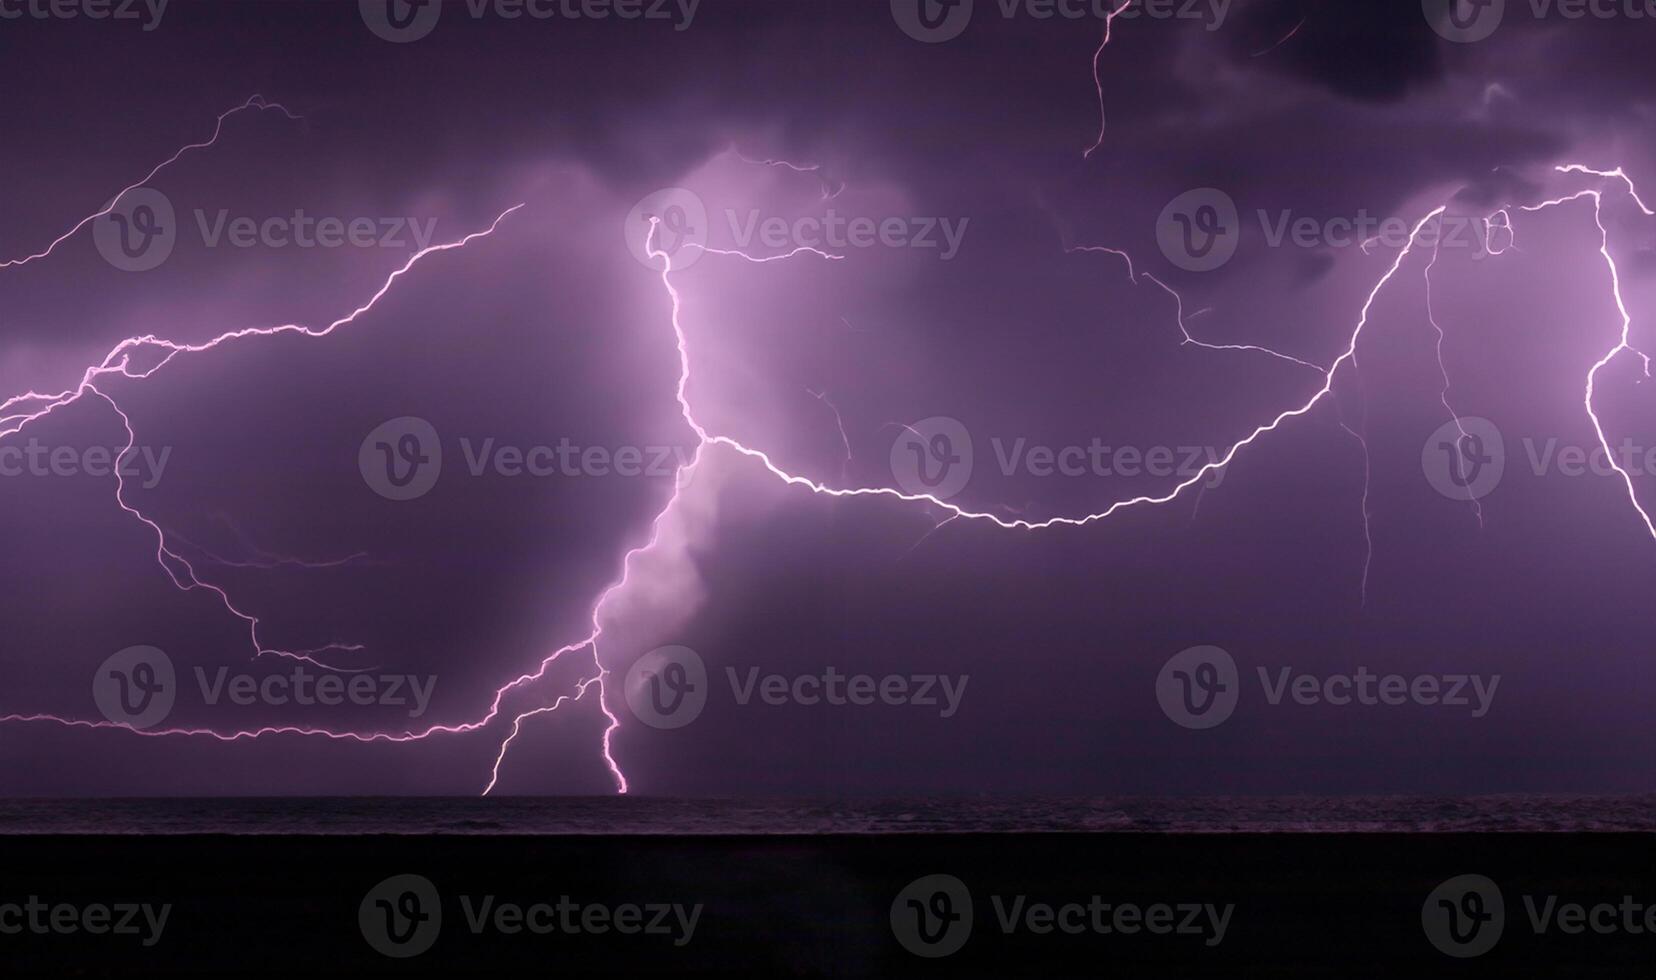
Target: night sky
[{"x": 560, "y": 326}]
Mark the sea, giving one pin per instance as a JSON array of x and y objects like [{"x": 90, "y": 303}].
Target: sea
[{"x": 660, "y": 816}]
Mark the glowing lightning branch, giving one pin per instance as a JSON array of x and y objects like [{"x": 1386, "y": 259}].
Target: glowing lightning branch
[
  {"x": 170, "y": 561},
  {"x": 839, "y": 422},
  {"x": 1184, "y": 318},
  {"x": 1368, "y": 530},
  {"x": 1193, "y": 342},
  {"x": 1284, "y": 39},
  {"x": 255, "y": 102},
  {"x": 19, "y": 411},
  {"x": 1624, "y": 341},
  {"x": 1184, "y": 329},
  {"x": 118, "y": 363},
  {"x": 517, "y": 728},
  {"x": 830, "y": 189},
  {"x": 709, "y": 438},
  {"x": 1098, "y": 81},
  {"x": 1443, "y": 370},
  {"x": 266, "y": 561}
]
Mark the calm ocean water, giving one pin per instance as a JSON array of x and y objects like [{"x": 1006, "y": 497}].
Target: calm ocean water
[{"x": 643, "y": 815}]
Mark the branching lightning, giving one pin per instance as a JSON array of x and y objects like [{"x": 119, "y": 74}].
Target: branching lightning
[{"x": 21, "y": 411}]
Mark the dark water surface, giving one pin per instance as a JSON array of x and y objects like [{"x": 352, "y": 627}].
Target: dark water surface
[{"x": 644, "y": 815}]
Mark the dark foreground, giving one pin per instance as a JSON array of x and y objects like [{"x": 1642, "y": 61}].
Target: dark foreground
[{"x": 825, "y": 905}]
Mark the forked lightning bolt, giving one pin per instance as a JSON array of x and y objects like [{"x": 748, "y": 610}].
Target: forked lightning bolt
[{"x": 22, "y": 410}]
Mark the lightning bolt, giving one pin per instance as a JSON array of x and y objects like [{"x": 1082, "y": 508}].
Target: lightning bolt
[
  {"x": 118, "y": 363},
  {"x": 709, "y": 438},
  {"x": 1443, "y": 371},
  {"x": 19, "y": 411},
  {"x": 830, "y": 188},
  {"x": 254, "y": 103},
  {"x": 1098, "y": 80},
  {"x": 1624, "y": 341}
]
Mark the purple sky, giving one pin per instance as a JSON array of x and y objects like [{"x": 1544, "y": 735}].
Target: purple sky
[{"x": 550, "y": 329}]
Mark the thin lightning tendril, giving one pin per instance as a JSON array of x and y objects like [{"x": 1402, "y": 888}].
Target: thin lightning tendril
[
  {"x": 1443, "y": 371},
  {"x": 1098, "y": 80}
]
